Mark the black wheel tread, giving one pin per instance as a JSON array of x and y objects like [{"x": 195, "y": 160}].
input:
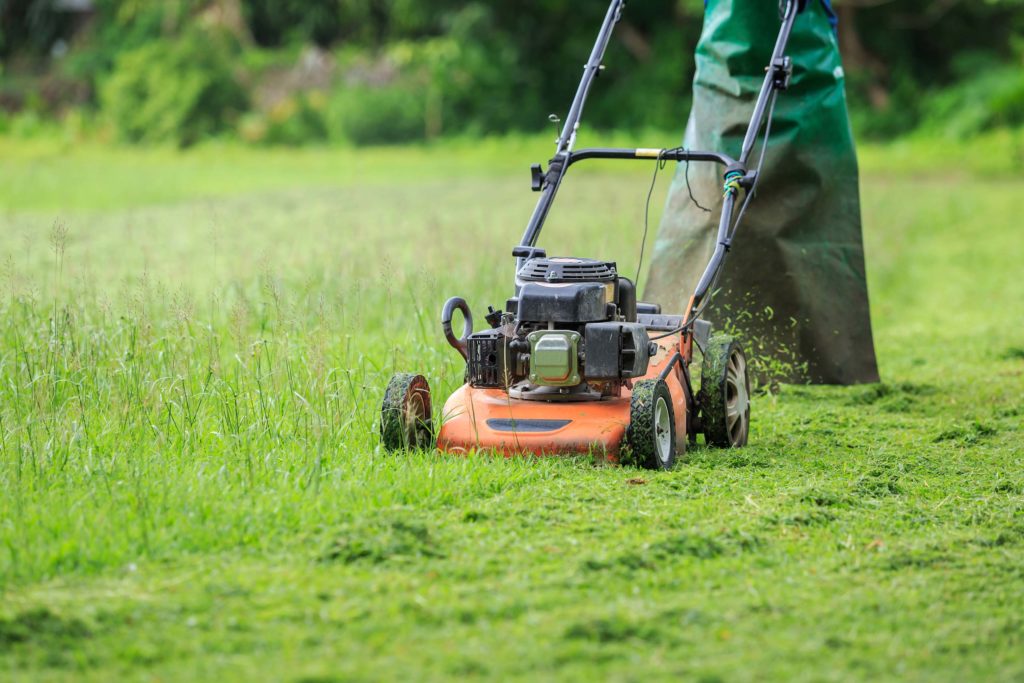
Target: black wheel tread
[
  {"x": 394, "y": 431},
  {"x": 712, "y": 395},
  {"x": 640, "y": 449}
]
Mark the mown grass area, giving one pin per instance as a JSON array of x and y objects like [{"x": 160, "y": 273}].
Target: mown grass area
[{"x": 193, "y": 351}]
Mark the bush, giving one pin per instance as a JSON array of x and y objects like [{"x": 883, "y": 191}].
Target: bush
[
  {"x": 365, "y": 115},
  {"x": 474, "y": 76},
  {"x": 468, "y": 80},
  {"x": 297, "y": 120},
  {"x": 276, "y": 22},
  {"x": 902, "y": 114},
  {"x": 25, "y": 125},
  {"x": 173, "y": 91},
  {"x": 989, "y": 98}
]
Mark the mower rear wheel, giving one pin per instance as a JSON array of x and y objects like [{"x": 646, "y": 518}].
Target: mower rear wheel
[
  {"x": 651, "y": 434},
  {"x": 724, "y": 396},
  {"x": 405, "y": 415}
]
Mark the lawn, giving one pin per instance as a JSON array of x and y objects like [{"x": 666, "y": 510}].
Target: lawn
[{"x": 193, "y": 351}]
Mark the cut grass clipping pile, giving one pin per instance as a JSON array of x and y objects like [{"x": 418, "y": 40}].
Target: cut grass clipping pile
[{"x": 192, "y": 358}]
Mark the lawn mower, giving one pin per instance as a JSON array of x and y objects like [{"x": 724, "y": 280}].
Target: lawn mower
[{"x": 573, "y": 363}]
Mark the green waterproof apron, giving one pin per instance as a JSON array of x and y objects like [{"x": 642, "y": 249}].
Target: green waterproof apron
[{"x": 793, "y": 287}]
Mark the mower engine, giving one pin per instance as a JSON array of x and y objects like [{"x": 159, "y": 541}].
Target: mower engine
[{"x": 570, "y": 334}]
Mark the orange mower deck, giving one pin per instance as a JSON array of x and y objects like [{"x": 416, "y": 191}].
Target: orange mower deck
[{"x": 489, "y": 419}]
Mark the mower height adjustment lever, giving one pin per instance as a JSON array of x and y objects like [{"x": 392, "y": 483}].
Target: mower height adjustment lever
[
  {"x": 536, "y": 177},
  {"x": 540, "y": 178},
  {"x": 782, "y": 72}
]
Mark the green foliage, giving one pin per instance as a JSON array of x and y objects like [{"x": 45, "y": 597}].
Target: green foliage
[
  {"x": 474, "y": 76},
  {"x": 373, "y": 116},
  {"x": 276, "y": 22},
  {"x": 458, "y": 83},
  {"x": 30, "y": 27},
  {"x": 119, "y": 26},
  {"x": 656, "y": 93},
  {"x": 901, "y": 115},
  {"x": 912, "y": 49},
  {"x": 26, "y": 124},
  {"x": 173, "y": 91},
  {"x": 490, "y": 66},
  {"x": 295, "y": 120},
  {"x": 990, "y": 96}
]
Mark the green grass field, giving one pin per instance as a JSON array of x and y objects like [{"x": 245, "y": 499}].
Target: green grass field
[{"x": 193, "y": 351}]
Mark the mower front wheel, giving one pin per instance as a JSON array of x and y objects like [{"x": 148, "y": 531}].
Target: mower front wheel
[
  {"x": 724, "y": 396},
  {"x": 651, "y": 435},
  {"x": 405, "y": 415}
]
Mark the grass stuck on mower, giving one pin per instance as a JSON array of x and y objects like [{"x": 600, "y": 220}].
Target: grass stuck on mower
[{"x": 573, "y": 363}]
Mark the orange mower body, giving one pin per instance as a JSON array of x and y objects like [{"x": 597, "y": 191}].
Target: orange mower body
[{"x": 476, "y": 419}]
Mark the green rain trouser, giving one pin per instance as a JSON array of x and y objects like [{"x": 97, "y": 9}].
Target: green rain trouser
[{"x": 794, "y": 285}]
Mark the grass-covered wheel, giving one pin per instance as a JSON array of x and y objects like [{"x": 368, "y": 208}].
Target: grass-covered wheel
[
  {"x": 651, "y": 434},
  {"x": 405, "y": 414},
  {"x": 724, "y": 396}
]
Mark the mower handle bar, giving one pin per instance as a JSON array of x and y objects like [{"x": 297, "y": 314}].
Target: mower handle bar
[
  {"x": 677, "y": 154},
  {"x": 549, "y": 182}
]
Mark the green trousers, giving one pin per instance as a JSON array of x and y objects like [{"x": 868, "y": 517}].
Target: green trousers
[{"x": 794, "y": 285}]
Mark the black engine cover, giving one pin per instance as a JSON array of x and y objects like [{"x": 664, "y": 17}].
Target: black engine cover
[{"x": 563, "y": 302}]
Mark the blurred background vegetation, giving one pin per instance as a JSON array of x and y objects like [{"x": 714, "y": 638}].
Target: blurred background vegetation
[{"x": 358, "y": 72}]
